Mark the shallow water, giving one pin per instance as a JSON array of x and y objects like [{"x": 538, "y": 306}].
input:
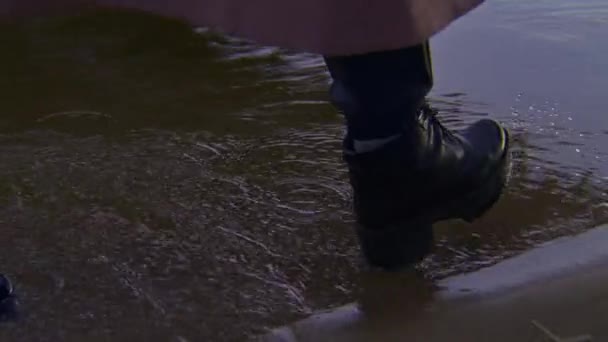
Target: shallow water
[{"x": 160, "y": 184}]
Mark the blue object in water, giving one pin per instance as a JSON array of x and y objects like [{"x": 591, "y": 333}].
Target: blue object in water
[{"x": 8, "y": 301}]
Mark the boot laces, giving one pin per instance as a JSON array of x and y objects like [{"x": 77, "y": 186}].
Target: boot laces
[{"x": 431, "y": 114}]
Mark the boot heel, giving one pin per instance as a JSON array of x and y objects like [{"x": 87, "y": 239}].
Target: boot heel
[{"x": 396, "y": 247}]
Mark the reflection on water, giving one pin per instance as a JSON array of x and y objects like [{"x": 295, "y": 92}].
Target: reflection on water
[
  {"x": 544, "y": 18},
  {"x": 165, "y": 185}
]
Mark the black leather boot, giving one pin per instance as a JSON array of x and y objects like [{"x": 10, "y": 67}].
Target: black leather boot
[
  {"x": 406, "y": 169},
  {"x": 426, "y": 175}
]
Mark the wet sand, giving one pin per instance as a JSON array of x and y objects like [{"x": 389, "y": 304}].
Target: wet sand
[{"x": 558, "y": 289}]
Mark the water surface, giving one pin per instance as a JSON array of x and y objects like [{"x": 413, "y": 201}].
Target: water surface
[{"x": 160, "y": 184}]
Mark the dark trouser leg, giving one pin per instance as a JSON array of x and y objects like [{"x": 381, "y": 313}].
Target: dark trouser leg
[
  {"x": 379, "y": 94},
  {"x": 374, "y": 91},
  {"x": 407, "y": 170}
]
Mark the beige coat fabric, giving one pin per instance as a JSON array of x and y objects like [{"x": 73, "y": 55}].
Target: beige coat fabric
[{"x": 330, "y": 27}]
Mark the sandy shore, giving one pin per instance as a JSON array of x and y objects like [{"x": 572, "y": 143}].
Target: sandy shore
[{"x": 554, "y": 292}]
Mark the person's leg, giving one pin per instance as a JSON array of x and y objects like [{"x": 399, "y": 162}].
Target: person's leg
[
  {"x": 408, "y": 171},
  {"x": 375, "y": 91}
]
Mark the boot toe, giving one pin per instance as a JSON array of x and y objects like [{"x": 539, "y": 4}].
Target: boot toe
[{"x": 489, "y": 138}]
